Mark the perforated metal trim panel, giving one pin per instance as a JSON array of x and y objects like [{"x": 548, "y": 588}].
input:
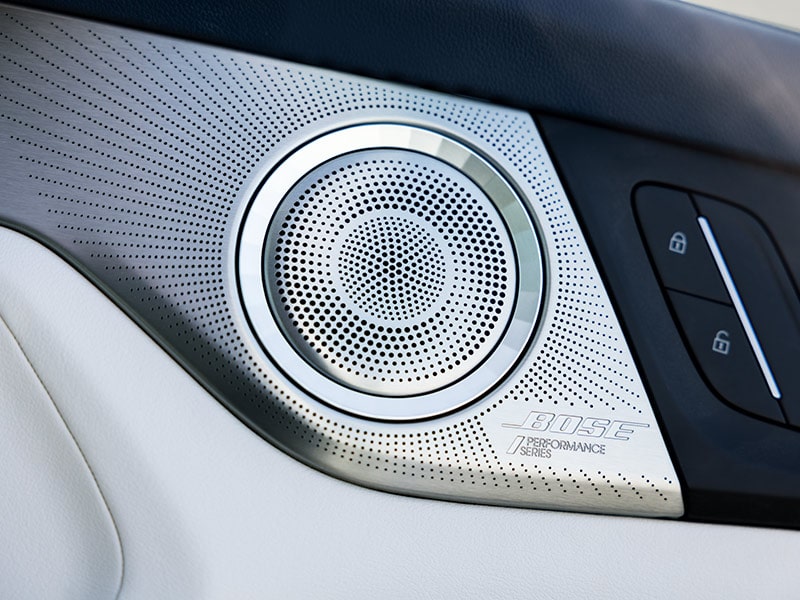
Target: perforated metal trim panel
[{"x": 136, "y": 157}]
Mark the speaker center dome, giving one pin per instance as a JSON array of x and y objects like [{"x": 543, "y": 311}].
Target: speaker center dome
[
  {"x": 392, "y": 268},
  {"x": 390, "y": 272}
]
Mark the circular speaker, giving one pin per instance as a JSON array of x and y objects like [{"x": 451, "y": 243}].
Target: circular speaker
[{"x": 390, "y": 271}]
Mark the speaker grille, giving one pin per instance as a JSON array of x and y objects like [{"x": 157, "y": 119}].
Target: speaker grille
[
  {"x": 392, "y": 268},
  {"x": 142, "y": 159},
  {"x": 390, "y": 271}
]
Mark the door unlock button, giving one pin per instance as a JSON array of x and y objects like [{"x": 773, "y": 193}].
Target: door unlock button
[{"x": 723, "y": 354}]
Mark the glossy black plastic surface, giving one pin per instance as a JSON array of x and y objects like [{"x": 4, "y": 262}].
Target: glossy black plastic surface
[{"x": 736, "y": 467}]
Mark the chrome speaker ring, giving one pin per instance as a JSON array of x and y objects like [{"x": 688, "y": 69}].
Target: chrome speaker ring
[{"x": 389, "y": 398}]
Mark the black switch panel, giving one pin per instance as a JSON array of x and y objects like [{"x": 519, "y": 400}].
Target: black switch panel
[
  {"x": 669, "y": 224},
  {"x": 744, "y": 333}
]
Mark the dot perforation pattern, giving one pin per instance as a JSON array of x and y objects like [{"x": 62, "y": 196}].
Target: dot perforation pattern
[
  {"x": 134, "y": 155},
  {"x": 389, "y": 267}
]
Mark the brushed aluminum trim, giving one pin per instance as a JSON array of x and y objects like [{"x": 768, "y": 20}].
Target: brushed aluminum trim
[{"x": 136, "y": 155}]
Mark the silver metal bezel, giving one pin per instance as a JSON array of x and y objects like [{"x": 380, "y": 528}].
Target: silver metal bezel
[{"x": 252, "y": 279}]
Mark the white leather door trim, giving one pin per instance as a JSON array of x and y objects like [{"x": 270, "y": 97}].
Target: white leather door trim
[{"x": 57, "y": 538}]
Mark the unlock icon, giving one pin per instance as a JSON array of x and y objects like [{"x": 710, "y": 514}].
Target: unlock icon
[{"x": 722, "y": 342}]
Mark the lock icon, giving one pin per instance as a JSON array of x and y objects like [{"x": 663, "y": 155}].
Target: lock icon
[
  {"x": 678, "y": 243},
  {"x": 722, "y": 342}
]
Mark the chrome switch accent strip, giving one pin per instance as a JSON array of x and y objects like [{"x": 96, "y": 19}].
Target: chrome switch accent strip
[{"x": 752, "y": 338}]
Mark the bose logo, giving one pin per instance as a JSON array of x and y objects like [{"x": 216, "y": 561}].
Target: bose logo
[{"x": 575, "y": 425}]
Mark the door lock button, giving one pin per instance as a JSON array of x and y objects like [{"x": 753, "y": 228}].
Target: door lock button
[{"x": 681, "y": 255}]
